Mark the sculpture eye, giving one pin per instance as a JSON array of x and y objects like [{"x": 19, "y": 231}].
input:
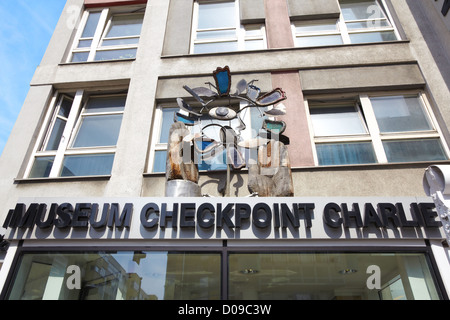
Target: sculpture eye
[{"x": 222, "y": 113}]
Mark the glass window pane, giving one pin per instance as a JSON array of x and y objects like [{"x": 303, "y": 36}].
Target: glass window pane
[
  {"x": 98, "y": 131},
  {"x": 55, "y": 137},
  {"x": 328, "y": 276},
  {"x": 115, "y": 54},
  {"x": 87, "y": 165},
  {"x": 225, "y": 34},
  {"x": 316, "y": 27},
  {"x": 368, "y": 24},
  {"x": 400, "y": 114},
  {"x": 106, "y": 104},
  {"x": 167, "y": 121},
  {"x": 84, "y": 43},
  {"x": 65, "y": 107},
  {"x": 414, "y": 150},
  {"x": 80, "y": 56},
  {"x": 336, "y": 121},
  {"x": 91, "y": 25},
  {"x": 120, "y": 42},
  {"x": 42, "y": 167},
  {"x": 317, "y": 41},
  {"x": 126, "y": 25},
  {"x": 125, "y": 275},
  {"x": 159, "y": 164},
  {"x": 345, "y": 153},
  {"x": 359, "y": 10},
  {"x": 368, "y": 37},
  {"x": 216, "y": 15},
  {"x": 254, "y": 44},
  {"x": 216, "y": 47}
]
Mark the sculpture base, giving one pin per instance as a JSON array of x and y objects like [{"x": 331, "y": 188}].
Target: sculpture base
[{"x": 182, "y": 188}]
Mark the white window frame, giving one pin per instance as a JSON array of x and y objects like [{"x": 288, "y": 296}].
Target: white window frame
[
  {"x": 311, "y": 34},
  {"x": 374, "y": 135},
  {"x": 103, "y": 27},
  {"x": 343, "y": 30},
  {"x": 241, "y": 38},
  {"x": 73, "y": 124}
]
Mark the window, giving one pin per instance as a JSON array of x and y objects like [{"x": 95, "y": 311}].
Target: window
[
  {"x": 217, "y": 28},
  {"x": 375, "y": 129},
  {"x": 81, "y": 136},
  {"x": 175, "y": 275},
  {"x": 164, "y": 118},
  {"x": 108, "y": 35},
  {"x": 361, "y": 21}
]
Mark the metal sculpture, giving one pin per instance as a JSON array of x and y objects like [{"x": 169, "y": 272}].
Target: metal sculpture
[{"x": 272, "y": 178}]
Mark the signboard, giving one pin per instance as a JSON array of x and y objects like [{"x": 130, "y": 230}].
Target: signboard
[{"x": 223, "y": 218}]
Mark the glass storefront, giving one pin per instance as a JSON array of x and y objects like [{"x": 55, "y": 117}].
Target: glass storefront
[{"x": 164, "y": 275}]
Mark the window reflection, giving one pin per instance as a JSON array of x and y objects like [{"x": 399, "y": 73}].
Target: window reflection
[{"x": 119, "y": 276}]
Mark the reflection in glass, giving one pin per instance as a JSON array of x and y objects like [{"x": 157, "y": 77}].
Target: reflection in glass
[
  {"x": 80, "y": 56},
  {"x": 414, "y": 150},
  {"x": 345, "y": 153},
  {"x": 332, "y": 121},
  {"x": 124, "y": 275},
  {"x": 400, "y": 114},
  {"x": 125, "y": 25},
  {"x": 87, "y": 165},
  {"x": 215, "y": 47},
  {"x": 91, "y": 25},
  {"x": 42, "y": 167},
  {"x": 216, "y": 15},
  {"x": 115, "y": 54},
  {"x": 317, "y": 41},
  {"x": 98, "y": 131},
  {"x": 159, "y": 164},
  {"x": 55, "y": 137},
  {"x": 368, "y": 37},
  {"x": 327, "y": 276}
]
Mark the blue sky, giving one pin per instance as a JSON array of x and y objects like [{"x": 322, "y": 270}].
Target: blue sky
[{"x": 26, "y": 27}]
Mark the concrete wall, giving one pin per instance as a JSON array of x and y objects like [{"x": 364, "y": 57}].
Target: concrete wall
[{"x": 163, "y": 66}]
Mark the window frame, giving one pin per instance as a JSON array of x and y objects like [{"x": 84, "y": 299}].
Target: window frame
[
  {"x": 344, "y": 31},
  {"x": 241, "y": 37},
  {"x": 68, "y": 136},
  {"x": 103, "y": 26},
  {"x": 374, "y": 135}
]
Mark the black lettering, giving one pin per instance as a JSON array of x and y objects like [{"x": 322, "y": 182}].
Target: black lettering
[
  {"x": 242, "y": 211},
  {"x": 64, "y": 213},
  {"x": 28, "y": 217},
  {"x": 187, "y": 215},
  {"x": 205, "y": 215},
  {"x": 262, "y": 215},
  {"x": 307, "y": 208},
  {"x": 51, "y": 216},
  {"x": 332, "y": 209},
  {"x": 276, "y": 216},
  {"x": 124, "y": 220},
  {"x": 146, "y": 212},
  {"x": 8, "y": 221},
  {"x": 103, "y": 219},
  {"x": 389, "y": 213},
  {"x": 371, "y": 216},
  {"x": 289, "y": 217},
  {"x": 429, "y": 215},
  {"x": 224, "y": 215},
  {"x": 81, "y": 215},
  {"x": 401, "y": 214},
  {"x": 165, "y": 214},
  {"x": 354, "y": 214}
]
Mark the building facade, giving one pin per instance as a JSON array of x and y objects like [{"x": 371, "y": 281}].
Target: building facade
[{"x": 84, "y": 195}]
